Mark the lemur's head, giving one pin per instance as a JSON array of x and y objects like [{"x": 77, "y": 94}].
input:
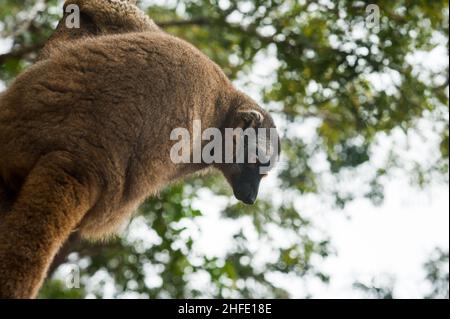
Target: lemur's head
[{"x": 254, "y": 151}]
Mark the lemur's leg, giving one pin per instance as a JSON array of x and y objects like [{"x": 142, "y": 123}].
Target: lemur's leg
[{"x": 52, "y": 201}]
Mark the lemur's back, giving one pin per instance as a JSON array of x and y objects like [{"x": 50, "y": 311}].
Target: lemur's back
[{"x": 112, "y": 86}]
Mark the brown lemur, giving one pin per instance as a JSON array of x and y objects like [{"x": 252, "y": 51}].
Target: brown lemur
[{"x": 84, "y": 135}]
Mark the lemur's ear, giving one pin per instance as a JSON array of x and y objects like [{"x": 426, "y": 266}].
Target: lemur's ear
[{"x": 249, "y": 118}]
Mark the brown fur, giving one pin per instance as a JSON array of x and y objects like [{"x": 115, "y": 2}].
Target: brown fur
[
  {"x": 100, "y": 17},
  {"x": 84, "y": 139}
]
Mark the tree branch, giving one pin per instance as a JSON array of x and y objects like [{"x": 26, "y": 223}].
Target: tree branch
[
  {"x": 180, "y": 23},
  {"x": 20, "y": 53}
]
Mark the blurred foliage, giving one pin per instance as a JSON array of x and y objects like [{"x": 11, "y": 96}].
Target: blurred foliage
[
  {"x": 57, "y": 289},
  {"x": 437, "y": 274},
  {"x": 326, "y": 59},
  {"x": 436, "y": 277},
  {"x": 379, "y": 288}
]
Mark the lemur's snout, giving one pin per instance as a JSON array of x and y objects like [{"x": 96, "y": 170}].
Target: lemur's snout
[
  {"x": 248, "y": 199},
  {"x": 247, "y": 192}
]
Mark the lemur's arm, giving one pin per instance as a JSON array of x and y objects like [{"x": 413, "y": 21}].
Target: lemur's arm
[{"x": 100, "y": 17}]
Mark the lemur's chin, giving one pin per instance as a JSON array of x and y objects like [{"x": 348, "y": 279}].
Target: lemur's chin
[{"x": 248, "y": 199}]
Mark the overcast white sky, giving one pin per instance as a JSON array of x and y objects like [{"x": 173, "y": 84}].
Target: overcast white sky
[{"x": 395, "y": 238}]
